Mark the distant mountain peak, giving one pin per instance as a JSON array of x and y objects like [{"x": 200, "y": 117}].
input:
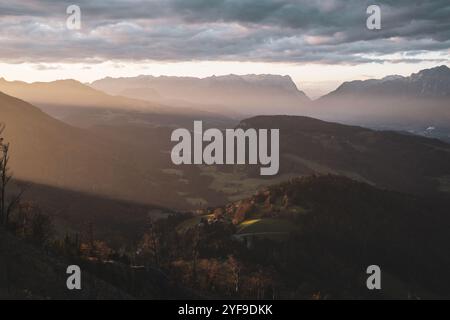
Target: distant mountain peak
[
  {"x": 442, "y": 68},
  {"x": 68, "y": 81},
  {"x": 249, "y": 94},
  {"x": 427, "y": 83},
  {"x": 434, "y": 72},
  {"x": 393, "y": 77}
]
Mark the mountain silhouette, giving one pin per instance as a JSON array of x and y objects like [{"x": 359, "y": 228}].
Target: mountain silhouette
[
  {"x": 232, "y": 94},
  {"x": 418, "y": 104}
]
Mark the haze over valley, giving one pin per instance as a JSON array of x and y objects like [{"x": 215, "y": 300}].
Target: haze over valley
[
  {"x": 135, "y": 138},
  {"x": 107, "y": 142}
]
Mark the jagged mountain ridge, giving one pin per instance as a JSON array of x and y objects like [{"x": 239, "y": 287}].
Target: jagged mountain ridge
[
  {"x": 248, "y": 94},
  {"x": 428, "y": 83}
]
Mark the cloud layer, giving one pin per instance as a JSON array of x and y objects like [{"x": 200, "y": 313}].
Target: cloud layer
[{"x": 322, "y": 31}]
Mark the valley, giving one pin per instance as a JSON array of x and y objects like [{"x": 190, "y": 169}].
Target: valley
[
  {"x": 104, "y": 176},
  {"x": 187, "y": 150}
]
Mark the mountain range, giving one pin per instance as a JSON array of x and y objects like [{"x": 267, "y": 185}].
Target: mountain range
[
  {"x": 131, "y": 160},
  {"x": 430, "y": 83},
  {"x": 230, "y": 95},
  {"x": 417, "y": 104},
  {"x": 78, "y": 104},
  {"x": 101, "y": 158},
  {"x": 114, "y": 144}
]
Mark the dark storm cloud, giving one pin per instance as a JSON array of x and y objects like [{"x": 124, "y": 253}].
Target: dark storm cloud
[{"x": 332, "y": 31}]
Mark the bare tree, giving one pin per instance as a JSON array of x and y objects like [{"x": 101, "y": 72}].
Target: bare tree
[
  {"x": 212, "y": 273},
  {"x": 4, "y": 175},
  {"x": 151, "y": 245},
  {"x": 91, "y": 239},
  {"x": 7, "y": 206},
  {"x": 41, "y": 228},
  {"x": 195, "y": 255}
]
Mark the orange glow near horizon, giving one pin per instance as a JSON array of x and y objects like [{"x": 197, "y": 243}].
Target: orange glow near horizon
[{"x": 314, "y": 79}]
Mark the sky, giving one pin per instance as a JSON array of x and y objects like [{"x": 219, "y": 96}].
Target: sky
[{"x": 318, "y": 43}]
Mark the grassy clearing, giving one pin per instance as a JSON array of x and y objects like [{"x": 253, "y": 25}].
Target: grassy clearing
[{"x": 236, "y": 185}]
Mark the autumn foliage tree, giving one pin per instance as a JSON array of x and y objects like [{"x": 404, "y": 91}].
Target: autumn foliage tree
[{"x": 235, "y": 268}]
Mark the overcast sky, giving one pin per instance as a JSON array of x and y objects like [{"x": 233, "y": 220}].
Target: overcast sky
[{"x": 319, "y": 43}]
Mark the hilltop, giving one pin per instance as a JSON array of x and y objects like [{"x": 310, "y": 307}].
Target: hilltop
[{"x": 318, "y": 234}]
